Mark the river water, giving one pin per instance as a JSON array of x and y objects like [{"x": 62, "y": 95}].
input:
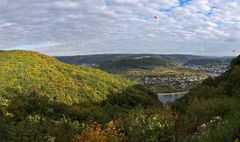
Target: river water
[{"x": 170, "y": 97}]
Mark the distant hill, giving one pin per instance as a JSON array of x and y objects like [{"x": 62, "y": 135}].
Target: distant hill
[
  {"x": 135, "y": 63},
  {"x": 101, "y": 58},
  {"x": 209, "y": 61}
]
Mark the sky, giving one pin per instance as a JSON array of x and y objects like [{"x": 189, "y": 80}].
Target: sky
[{"x": 79, "y": 27}]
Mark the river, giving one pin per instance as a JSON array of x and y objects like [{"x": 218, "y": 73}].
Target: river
[{"x": 170, "y": 97}]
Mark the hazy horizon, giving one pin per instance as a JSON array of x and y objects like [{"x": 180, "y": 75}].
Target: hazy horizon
[{"x": 83, "y": 27}]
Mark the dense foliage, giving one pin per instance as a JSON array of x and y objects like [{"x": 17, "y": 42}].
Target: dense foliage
[
  {"x": 24, "y": 72},
  {"x": 42, "y": 99}
]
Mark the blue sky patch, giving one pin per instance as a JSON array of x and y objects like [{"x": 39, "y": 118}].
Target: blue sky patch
[{"x": 184, "y": 2}]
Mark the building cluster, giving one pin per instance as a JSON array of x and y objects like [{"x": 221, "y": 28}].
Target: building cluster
[
  {"x": 181, "y": 81},
  {"x": 212, "y": 70}
]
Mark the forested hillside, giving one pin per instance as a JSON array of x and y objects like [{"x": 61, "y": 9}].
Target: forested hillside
[
  {"x": 102, "y": 58},
  {"x": 135, "y": 63},
  {"x": 209, "y": 61},
  {"x": 24, "y": 72},
  {"x": 43, "y": 98}
]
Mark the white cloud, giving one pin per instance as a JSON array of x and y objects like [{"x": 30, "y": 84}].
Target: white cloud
[
  {"x": 66, "y": 4},
  {"x": 4, "y": 3},
  {"x": 38, "y": 47},
  {"x": 199, "y": 6},
  {"x": 6, "y": 25},
  {"x": 166, "y": 4}
]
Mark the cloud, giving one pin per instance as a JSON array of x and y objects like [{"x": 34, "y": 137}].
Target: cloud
[
  {"x": 38, "y": 47},
  {"x": 124, "y": 26},
  {"x": 199, "y": 5},
  {"x": 66, "y": 4},
  {"x": 6, "y": 25}
]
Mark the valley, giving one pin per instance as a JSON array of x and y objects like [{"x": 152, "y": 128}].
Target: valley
[
  {"x": 166, "y": 79},
  {"x": 160, "y": 73}
]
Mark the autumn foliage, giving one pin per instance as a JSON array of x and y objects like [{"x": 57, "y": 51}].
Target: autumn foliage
[{"x": 98, "y": 133}]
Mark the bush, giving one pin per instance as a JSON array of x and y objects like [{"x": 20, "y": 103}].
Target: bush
[
  {"x": 227, "y": 130},
  {"x": 149, "y": 125},
  {"x": 97, "y": 133}
]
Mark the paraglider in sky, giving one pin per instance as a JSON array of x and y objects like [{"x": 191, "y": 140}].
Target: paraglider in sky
[{"x": 155, "y": 18}]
